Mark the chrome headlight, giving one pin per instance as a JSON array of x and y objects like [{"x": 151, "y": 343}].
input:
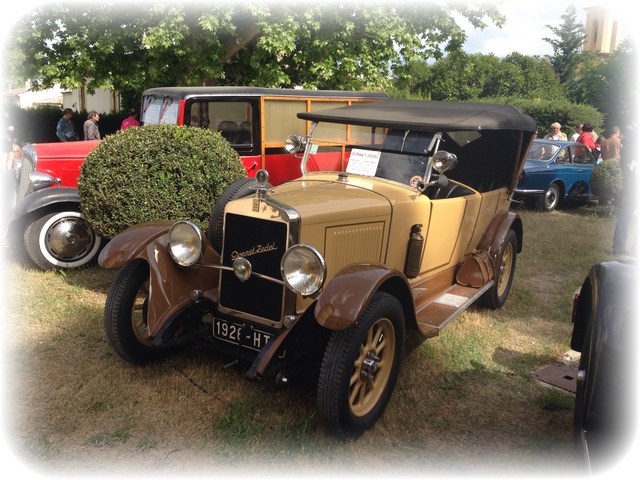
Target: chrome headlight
[
  {"x": 242, "y": 269},
  {"x": 303, "y": 269},
  {"x": 295, "y": 144},
  {"x": 444, "y": 161},
  {"x": 39, "y": 180},
  {"x": 16, "y": 166},
  {"x": 186, "y": 243}
]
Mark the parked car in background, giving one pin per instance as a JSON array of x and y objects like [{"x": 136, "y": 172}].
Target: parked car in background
[
  {"x": 338, "y": 263},
  {"x": 254, "y": 120},
  {"x": 8, "y": 187},
  {"x": 47, "y": 221},
  {"x": 555, "y": 171},
  {"x": 605, "y": 331}
]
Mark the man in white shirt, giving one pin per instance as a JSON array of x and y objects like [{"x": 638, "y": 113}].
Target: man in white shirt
[{"x": 574, "y": 137}]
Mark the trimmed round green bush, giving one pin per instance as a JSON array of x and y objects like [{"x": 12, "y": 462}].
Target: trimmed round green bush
[
  {"x": 606, "y": 181},
  {"x": 155, "y": 172}
]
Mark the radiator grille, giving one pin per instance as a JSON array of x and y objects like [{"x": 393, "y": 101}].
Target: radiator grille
[
  {"x": 263, "y": 243},
  {"x": 70, "y": 177}
]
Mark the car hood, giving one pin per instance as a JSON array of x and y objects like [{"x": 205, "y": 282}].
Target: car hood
[
  {"x": 66, "y": 150},
  {"x": 320, "y": 200}
]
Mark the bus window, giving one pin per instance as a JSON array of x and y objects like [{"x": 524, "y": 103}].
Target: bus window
[{"x": 280, "y": 118}]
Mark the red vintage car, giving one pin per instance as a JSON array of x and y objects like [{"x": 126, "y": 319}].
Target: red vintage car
[{"x": 47, "y": 219}]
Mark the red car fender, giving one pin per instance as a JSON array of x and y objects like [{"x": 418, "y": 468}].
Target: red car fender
[
  {"x": 347, "y": 295},
  {"x": 169, "y": 283}
]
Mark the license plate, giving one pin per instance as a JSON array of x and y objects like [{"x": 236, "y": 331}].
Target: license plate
[{"x": 234, "y": 333}]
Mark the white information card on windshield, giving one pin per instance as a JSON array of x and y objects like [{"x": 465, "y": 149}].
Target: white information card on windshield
[{"x": 363, "y": 162}]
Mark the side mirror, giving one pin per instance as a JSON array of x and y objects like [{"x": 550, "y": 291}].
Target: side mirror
[{"x": 442, "y": 181}]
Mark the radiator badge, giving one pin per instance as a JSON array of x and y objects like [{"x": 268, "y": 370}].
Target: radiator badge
[{"x": 270, "y": 247}]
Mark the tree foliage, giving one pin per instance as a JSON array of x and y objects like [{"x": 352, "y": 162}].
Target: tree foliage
[
  {"x": 464, "y": 77},
  {"x": 611, "y": 85},
  {"x": 546, "y": 112},
  {"x": 567, "y": 45},
  {"x": 328, "y": 45},
  {"x": 606, "y": 181}
]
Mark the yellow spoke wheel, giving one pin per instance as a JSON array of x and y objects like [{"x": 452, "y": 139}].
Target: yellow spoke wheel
[{"x": 360, "y": 368}]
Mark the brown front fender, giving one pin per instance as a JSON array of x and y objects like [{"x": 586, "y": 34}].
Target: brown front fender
[
  {"x": 344, "y": 299},
  {"x": 169, "y": 283},
  {"x": 131, "y": 244}
]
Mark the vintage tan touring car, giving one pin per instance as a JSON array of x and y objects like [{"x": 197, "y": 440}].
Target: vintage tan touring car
[{"x": 321, "y": 276}]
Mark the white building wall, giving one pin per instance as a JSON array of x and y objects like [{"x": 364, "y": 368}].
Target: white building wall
[
  {"x": 78, "y": 99},
  {"x": 25, "y": 98},
  {"x": 103, "y": 101}
]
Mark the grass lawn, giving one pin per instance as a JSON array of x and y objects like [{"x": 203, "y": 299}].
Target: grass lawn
[{"x": 466, "y": 401}]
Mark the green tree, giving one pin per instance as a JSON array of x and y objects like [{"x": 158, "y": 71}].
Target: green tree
[
  {"x": 463, "y": 77},
  {"x": 567, "y": 45},
  {"x": 611, "y": 85},
  {"x": 328, "y": 45}
]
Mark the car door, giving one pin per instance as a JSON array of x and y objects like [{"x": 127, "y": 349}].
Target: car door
[
  {"x": 583, "y": 162},
  {"x": 566, "y": 170}
]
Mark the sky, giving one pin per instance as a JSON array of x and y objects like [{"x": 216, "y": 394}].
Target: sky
[{"x": 525, "y": 27}]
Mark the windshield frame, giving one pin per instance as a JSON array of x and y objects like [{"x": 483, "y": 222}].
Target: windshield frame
[{"x": 416, "y": 176}]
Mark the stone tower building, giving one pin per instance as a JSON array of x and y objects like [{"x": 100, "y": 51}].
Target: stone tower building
[{"x": 602, "y": 30}]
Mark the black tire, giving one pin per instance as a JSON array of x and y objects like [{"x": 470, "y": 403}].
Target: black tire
[
  {"x": 238, "y": 189},
  {"x": 495, "y": 297},
  {"x": 583, "y": 393},
  {"x": 125, "y": 315},
  {"x": 61, "y": 240},
  {"x": 550, "y": 200},
  {"x": 351, "y": 394}
]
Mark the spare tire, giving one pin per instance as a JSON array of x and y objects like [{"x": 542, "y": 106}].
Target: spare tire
[{"x": 238, "y": 189}]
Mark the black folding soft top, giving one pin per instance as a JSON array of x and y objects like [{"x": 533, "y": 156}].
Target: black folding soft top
[
  {"x": 427, "y": 115},
  {"x": 494, "y": 155}
]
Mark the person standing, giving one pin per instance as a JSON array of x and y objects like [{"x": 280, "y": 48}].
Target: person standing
[
  {"x": 597, "y": 152},
  {"x": 66, "y": 129},
  {"x": 555, "y": 133},
  {"x": 130, "y": 121},
  {"x": 574, "y": 137},
  {"x": 630, "y": 166},
  {"x": 91, "y": 131},
  {"x": 585, "y": 137},
  {"x": 611, "y": 147}
]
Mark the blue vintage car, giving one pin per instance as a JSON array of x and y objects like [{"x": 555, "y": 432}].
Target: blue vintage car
[{"x": 554, "y": 171}]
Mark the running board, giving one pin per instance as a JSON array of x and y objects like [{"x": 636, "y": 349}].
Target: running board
[{"x": 433, "y": 316}]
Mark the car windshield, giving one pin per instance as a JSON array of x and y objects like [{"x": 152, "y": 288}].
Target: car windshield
[
  {"x": 402, "y": 157},
  {"x": 397, "y": 155},
  {"x": 542, "y": 151}
]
